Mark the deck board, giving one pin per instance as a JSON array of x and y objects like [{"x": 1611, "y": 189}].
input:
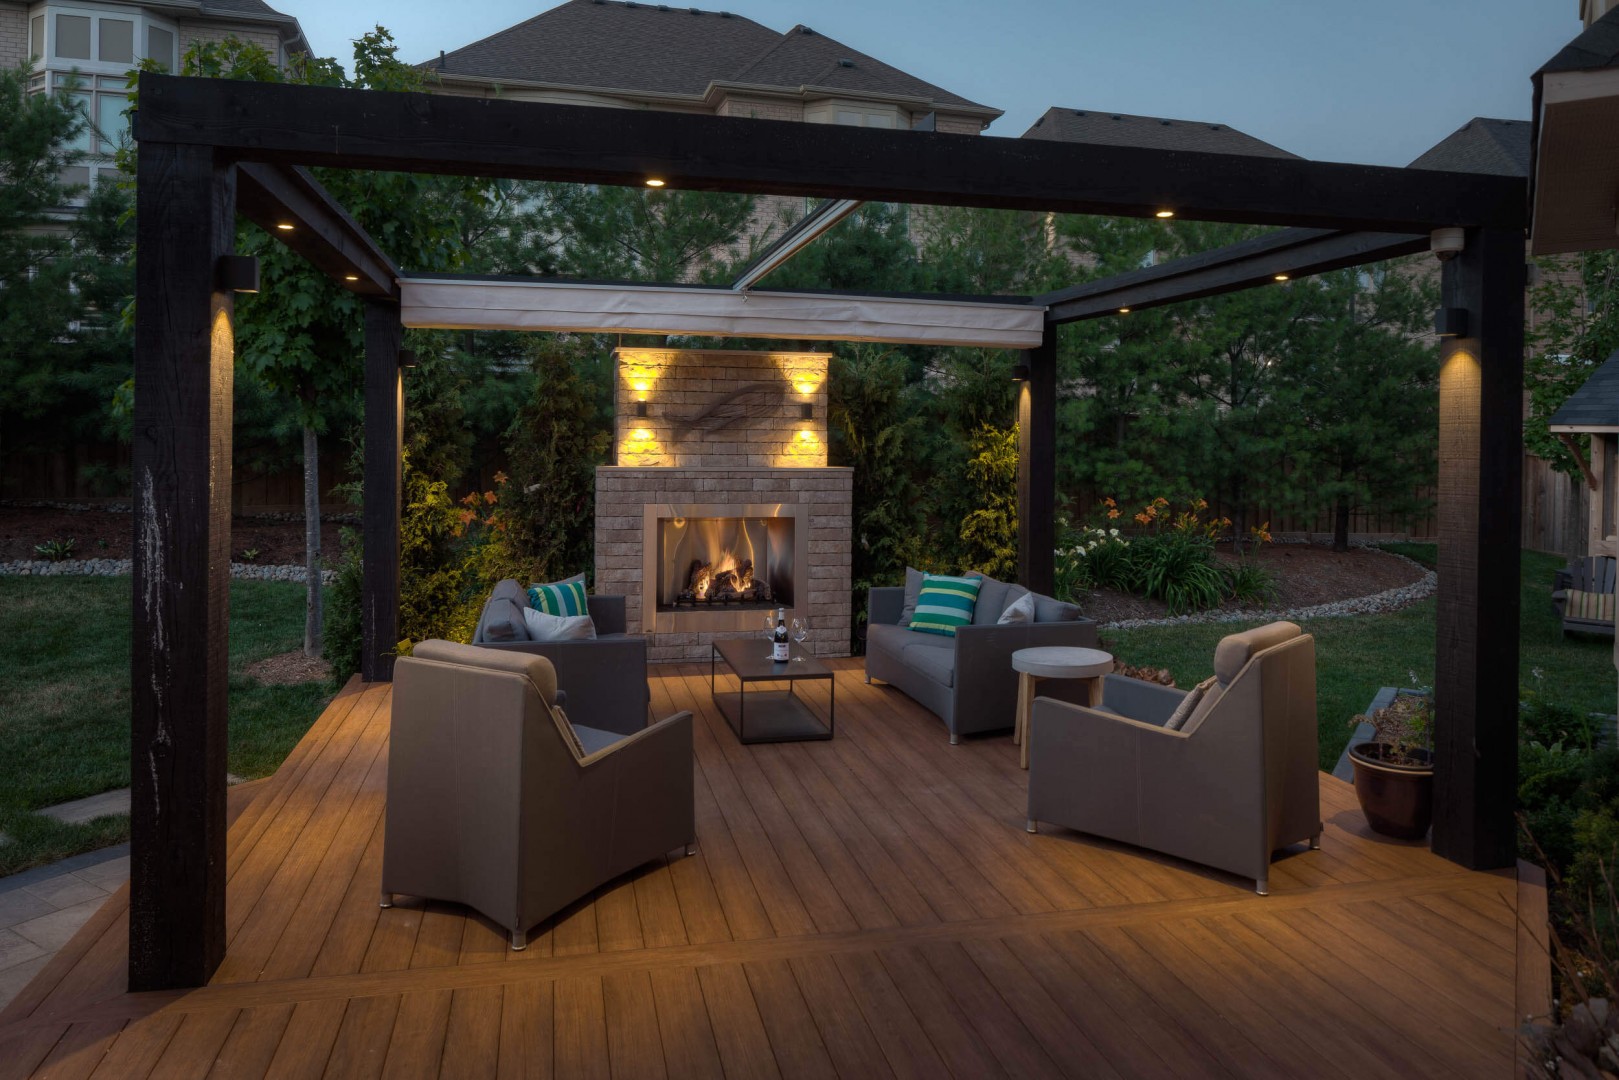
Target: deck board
[{"x": 865, "y": 906}]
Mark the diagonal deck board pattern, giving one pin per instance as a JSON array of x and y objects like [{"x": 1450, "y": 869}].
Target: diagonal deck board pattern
[{"x": 868, "y": 906}]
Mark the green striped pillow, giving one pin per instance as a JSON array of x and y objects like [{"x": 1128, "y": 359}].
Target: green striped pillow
[
  {"x": 945, "y": 603},
  {"x": 1591, "y": 606},
  {"x": 560, "y": 597}
]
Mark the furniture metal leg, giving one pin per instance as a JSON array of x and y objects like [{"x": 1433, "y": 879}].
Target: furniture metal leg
[
  {"x": 519, "y": 940},
  {"x": 691, "y": 848},
  {"x": 1262, "y": 886},
  {"x": 386, "y": 900},
  {"x": 1315, "y": 842},
  {"x": 1031, "y": 826}
]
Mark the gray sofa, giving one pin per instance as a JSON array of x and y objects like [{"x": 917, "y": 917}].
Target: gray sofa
[
  {"x": 967, "y": 680},
  {"x": 604, "y": 677},
  {"x": 1234, "y": 783},
  {"x": 497, "y": 801}
]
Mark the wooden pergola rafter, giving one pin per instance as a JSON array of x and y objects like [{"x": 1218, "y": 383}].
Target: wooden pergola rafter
[{"x": 208, "y": 148}]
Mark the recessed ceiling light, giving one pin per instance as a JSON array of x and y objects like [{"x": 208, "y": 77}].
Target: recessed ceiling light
[
  {"x": 285, "y": 226},
  {"x": 653, "y": 181},
  {"x": 1281, "y": 277},
  {"x": 351, "y": 277},
  {"x": 1124, "y": 311},
  {"x": 1165, "y": 214}
]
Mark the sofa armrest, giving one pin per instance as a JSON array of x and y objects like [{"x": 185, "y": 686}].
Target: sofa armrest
[
  {"x": 1140, "y": 700},
  {"x": 607, "y": 612},
  {"x": 605, "y": 678},
  {"x": 884, "y": 604}
]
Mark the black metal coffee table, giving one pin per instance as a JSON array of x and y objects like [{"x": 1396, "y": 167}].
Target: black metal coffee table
[{"x": 767, "y": 716}]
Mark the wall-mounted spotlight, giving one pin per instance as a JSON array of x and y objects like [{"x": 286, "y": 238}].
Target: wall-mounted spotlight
[
  {"x": 237, "y": 273},
  {"x": 407, "y": 358},
  {"x": 807, "y": 410},
  {"x": 1020, "y": 373},
  {"x": 1450, "y": 322},
  {"x": 640, "y": 409}
]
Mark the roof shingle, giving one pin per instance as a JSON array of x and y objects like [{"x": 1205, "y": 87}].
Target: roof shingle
[
  {"x": 1153, "y": 132},
  {"x": 1596, "y": 404},
  {"x": 1482, "y": 145}
]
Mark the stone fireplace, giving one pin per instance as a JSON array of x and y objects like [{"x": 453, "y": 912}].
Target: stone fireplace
[{"x": 721, "y": 507}]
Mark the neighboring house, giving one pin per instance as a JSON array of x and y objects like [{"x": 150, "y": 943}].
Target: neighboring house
[
  {"x": 682, "y": 59},
  {"x": 94, "y": 44},
  {"x": 1153, "y": 132}
]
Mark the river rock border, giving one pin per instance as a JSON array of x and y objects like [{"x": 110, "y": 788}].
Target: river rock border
[
  {"x": 123, "y": 567},
  {"x": 1375, "y": 604}
]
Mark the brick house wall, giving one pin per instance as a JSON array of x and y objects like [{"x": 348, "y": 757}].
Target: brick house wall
[
  {"x": 13, "y": 34},
  {"x": 193, "y": 32}
]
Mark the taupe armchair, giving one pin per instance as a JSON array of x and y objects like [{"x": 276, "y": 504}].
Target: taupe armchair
[
  {"x": 497, "y": 801},
  {"x": 1235, "y": 783}
]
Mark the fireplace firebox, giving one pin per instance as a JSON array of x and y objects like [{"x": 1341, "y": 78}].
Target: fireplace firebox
[{"x": 715, "y": 567}]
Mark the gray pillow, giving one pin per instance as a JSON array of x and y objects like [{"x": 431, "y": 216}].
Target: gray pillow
[
  {"x": 913, "y": 589},
  {"x": 1019, "y": 611},
  {"x": 543, "y": 627},
  {"x": 500, "y": 630},
  {"x": 1048, "y": 610},
  {"x": 502, "y": 620}
]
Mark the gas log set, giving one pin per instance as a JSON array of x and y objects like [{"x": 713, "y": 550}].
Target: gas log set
[{"x": 735, "y": 585}]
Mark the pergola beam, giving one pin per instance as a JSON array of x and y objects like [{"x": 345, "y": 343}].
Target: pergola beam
[
  {"x": 1294, "y": 252},
  {"x": 322, "y": 231},
  {"x": 359, "y": 129}
]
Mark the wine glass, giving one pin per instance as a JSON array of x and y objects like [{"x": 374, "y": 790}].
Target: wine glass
[{"x": 800, "y": 633}]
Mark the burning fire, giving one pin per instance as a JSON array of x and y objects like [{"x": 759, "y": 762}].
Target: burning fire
[{"x": 725, "y": 576}]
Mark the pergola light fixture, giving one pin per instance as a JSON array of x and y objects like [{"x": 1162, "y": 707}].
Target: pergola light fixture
[
  {"x": 1280, "y": 277},
  {"x": 285, "y": 226},
  {"x": 1124, "y": 311},
  {"x": 1450, "y": 322},
  {"x": 654, "y": 182},
  {"x": 237, "y": 273},
  {"x": 351, "y": 277},
  {"x": 1164, "y": 214},
  {"x": 407, "y": 358},
  {"x": 1020, "y": 373}
]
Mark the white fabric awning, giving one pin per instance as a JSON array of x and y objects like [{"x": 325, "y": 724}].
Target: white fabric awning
[{"x": 664, "y": 309}]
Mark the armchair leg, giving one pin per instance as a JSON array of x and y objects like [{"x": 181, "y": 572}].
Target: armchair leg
[
  {"x": 1031, "y": 826},
  {"x": 955, "y": 740},
  {"x": 1315, "y": 842},
  {"x": 868, "y": 680},
  {"x": 1262, "y": 886},
  {"x": 386, "y": 900},
  {"x": 519, "y": 940},
  {"x": 691, "y": 848}
]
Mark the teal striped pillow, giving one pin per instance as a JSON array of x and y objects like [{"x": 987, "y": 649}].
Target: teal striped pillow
[
  {"x": 560, "y": 598},
  {"x": 945, "y": 603}
]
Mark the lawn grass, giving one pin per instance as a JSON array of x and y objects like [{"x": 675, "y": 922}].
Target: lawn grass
[
  {"x": 64, "y": 701},
  {"x": 1356, "y": 656}
]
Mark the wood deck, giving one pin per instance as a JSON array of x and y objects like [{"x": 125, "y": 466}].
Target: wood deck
[{"x": 864, "y": 907}]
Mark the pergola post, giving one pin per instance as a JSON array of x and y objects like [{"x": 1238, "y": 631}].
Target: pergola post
[
  {"x": 384, "y": 445},
  {"x": 185, "y": 214},
  {"x": 1037, "y": 467},
  {"x": 1480, "y": 483}
]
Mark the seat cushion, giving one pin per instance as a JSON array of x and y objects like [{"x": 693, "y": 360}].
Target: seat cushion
[
  {"x": 594, "y": 739},
  {"x": 889, "y": 640},
  {"x": 945, "y": 603},
  {"x": 937, "y": 662},
  {"x": 1593, "y": 606}
]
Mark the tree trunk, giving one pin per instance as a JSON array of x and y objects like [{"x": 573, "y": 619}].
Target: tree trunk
[
  {"x": 1340, "y": 524},
  {"x": 312, "y": 588}
]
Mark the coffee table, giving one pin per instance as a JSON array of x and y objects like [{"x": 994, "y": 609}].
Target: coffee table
[
  {"x": 1054, "y": 662},
  {"x": 769, "y": 716}
]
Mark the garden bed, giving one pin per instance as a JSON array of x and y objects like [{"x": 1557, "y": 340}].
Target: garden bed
[
  {"x": 107, "y": 534},
  {"x": 1306, "y": 575}
]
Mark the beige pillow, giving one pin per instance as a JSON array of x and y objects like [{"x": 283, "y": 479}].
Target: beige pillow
[{"x": 1188, "y": 705}]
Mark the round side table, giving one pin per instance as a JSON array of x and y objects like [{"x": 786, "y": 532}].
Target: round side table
[{"x": 1053, "y": 662}]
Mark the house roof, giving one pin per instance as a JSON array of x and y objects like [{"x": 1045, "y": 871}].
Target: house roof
[
  {"x": 1482, "y": 145},
  {"x": 1154, "y": 132},
  {"x": 1596, "y": 48},
  {"x": 666, "y": 49},
  {"x": 1594, "y": 405}
]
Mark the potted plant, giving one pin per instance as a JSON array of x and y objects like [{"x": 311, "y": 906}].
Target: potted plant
[{"x": 1394, "y": 769}]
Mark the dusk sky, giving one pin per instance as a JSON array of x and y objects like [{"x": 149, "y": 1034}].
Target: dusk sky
[{"x": 1375, "y": 81}]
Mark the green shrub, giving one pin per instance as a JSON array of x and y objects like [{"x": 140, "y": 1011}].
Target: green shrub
[
  {"x": 1248, "y": 582},
  {"x": 340, "y": 645},
  {"x": 1178, "y": 568},
  {"x": 1090, "y": 558},
  {"x": 989, "y": 532}
]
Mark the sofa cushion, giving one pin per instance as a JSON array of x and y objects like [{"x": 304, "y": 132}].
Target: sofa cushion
[
  {"x": 935, "y": 658},
  {"x": 1019, "y": 611},
  {"x": 544, "y": 627},
  {"x": 510, "y": 589},
  {"x": 502, "y": 620},
  {"x": 944, "y": 604},
  {"x": 889, "y": 640},
  {"x": 992, "y": 597},
  {"x": 1235, "y": 650},
  {"x": 1048, "y": 610},
  {"x": 913, "y": 589},
  {"x": 566, "y": 597}
]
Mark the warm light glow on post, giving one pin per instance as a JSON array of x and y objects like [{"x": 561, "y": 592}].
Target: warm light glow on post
[
  {"x": 653, "y": 182},
  {"x": 1164, "y": 214}
]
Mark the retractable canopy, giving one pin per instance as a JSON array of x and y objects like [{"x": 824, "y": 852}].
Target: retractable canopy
[{"x": 484, "y": 304}]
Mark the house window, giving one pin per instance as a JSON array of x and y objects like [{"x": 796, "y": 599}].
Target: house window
[
  {"x": 72, "y": 37},
  {"x": 160, "y": 46},
  {"x": 117, "y": 44},
  {"x": 36, "y": 36},
  {"x": 855, "y": 114}
]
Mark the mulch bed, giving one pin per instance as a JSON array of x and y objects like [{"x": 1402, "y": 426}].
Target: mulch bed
[
  {"x": 289, "y": 669},
  {"x": 1306, "y": 575},
  {"x": 102, "y": 534}
]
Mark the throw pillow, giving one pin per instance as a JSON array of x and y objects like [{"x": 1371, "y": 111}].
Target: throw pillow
[
  {"x": 944, "y": 604},
  {"x": 1018, "y": 611},
  {"x": 544, "y": 627},
  {"x": 1188, "y": 705},
  {"x": 560, "y": 597},
  {"x": 1048, "y": 610},
  {"x": 913, "y": 589}
]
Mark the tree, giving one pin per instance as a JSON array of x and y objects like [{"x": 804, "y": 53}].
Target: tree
[
  {"x": 634, "y": 234},
  {"x": 1577, "y": 301},
  {"x": 301, "y": 335}
]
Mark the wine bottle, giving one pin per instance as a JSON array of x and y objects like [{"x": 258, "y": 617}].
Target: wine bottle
[{"x": 778, "y": 649}]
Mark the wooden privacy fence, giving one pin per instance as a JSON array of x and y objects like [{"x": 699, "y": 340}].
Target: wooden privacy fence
[{"x": 1554, "y": 510}]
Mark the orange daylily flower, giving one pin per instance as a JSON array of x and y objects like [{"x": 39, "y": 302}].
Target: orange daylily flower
[
  {"x": 1112, "y": 513},
  {"x": 1108, "y": 502}
]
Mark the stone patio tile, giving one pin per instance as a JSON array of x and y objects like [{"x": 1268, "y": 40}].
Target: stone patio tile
[
  {"x": 17, "y": 948},
  {"x": 51, "y": 932},
  {"x": 81, "y": 810},
  {"x": 109, "y": 875},
  {"x": 13, "y": 979},
  {"x": 65, "y": 890},
  {"x": 20, "y": 906}
]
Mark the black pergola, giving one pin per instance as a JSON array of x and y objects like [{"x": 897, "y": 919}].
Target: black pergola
[{"x": 209, "y": 149}]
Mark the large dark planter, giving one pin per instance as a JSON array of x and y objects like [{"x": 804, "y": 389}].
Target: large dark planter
[{"x": 1396, "y": 799}]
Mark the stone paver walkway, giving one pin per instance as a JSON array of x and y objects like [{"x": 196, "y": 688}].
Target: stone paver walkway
[{"x": 41, "y": 909}]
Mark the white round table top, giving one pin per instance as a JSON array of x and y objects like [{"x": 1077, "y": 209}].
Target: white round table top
[{"x": 1062, "y": 662}]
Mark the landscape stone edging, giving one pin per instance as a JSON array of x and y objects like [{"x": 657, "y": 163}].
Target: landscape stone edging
[
  {"x": 123, "y": 567},
  {"x": 1375, "y": 604}
]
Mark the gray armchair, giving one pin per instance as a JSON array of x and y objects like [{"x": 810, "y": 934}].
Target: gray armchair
[
  {"x": 1235, "y": 783},
  {"x": 497, "y": 801},
  {"x": 603, "y": 678}
]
